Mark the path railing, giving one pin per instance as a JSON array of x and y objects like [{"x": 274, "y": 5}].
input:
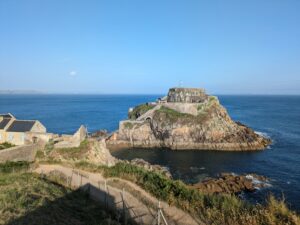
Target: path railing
[{"x": 123, "y": 210}]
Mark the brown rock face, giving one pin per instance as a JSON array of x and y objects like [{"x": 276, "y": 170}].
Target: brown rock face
[
  {"x": 230, "y": 183},
  {"x": 169, "y": 125}
]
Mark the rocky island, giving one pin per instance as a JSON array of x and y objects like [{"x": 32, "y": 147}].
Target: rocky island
[{"x": 187, "y": 118}]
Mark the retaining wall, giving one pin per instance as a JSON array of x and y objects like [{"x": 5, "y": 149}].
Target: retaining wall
[{"x": 19, "y": 153}]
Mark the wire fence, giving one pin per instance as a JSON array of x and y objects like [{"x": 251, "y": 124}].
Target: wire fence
[{"x": 124, "y": 212}]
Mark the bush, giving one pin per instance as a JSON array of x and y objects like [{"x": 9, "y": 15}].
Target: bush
[{"x": 6, "y": 145}]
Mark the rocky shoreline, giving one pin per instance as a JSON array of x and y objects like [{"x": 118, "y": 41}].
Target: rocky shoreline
[{"x": 230, "y": 183}]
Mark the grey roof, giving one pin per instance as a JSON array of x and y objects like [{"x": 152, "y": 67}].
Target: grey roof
[
  {"x": 4, "y": 122},
  {"x": 6, "y": 115},
  {"x": 21, "y": 125}
]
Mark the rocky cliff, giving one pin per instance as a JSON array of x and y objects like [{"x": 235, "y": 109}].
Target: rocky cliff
[{"x": 204, "y": 125}]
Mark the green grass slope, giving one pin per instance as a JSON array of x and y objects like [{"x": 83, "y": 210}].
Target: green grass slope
[{"x": 25, "y": 198}]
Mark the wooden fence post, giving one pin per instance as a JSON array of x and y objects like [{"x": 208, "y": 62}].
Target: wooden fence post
[
  {"x": 124, "y": 208},
  {"x": 105, "y": 196}
]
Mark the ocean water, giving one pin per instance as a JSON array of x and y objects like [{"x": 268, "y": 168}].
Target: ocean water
[{"x": 275, "y": 116}]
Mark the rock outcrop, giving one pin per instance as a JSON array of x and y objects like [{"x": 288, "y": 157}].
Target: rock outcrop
[
  {"x": 203, "y": 125},
  {"x": 91, "y": 150},
  {"x": 150, "y": 167},
  {"x": 231, "y": 184},
  {"x": 99, "y": 154}
]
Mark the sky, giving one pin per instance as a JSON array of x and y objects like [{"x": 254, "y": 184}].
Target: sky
[{"x": 146, "y": 47}]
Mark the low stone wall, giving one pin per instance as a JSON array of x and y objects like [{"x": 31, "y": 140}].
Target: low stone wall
[{"x": 19, "y": 153}]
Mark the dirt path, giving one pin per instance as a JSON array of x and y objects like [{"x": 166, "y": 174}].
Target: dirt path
[{"x": 114, "y": 193}]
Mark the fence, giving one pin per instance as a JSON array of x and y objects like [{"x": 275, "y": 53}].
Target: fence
[
  {"x": 124, "y": 212},
  {"x": 101, "y": 192}
]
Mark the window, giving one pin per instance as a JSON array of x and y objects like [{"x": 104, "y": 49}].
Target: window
[{"x": 10, "y": 137}]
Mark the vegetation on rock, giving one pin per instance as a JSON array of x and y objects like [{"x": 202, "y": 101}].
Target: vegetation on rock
[
  {"x": 139, "y": 110},
  {"x": 128, "y": 125},
  {"x": 75, "y": 153},
  {"x": 207, "y": 127}
]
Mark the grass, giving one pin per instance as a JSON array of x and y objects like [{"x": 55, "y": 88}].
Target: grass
[
  {"x": 211, "y": 208},
  {"x": 166, "y": 117},
  {"x": 25, "y": 198},
  {"x": 205, "y": 106},
  {"x": 9, "y": 167},
  {"x": 74, "y": 153},
  {"x": 6, "y": 145},
  {"x": 128, "y": 125},
  {"x": 171, "y": 115},
  {"x": 139, "y": 110}
]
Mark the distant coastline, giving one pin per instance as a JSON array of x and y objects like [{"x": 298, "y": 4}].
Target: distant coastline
[
  {"x": 21, "y": 92},
  {"x": 35, "y": 92}
]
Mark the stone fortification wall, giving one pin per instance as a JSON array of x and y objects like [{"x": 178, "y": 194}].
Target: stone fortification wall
[
  {"x": 186, "y": 95},
  {"x": 19, "y": 153},
  {"x": 71, "y": 141},
  {"x": 189, "y": 108}
]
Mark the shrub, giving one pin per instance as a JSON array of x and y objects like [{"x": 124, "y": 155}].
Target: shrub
[{"x": 6, "y": 145}]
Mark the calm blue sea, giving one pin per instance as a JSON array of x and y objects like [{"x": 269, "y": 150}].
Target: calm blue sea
[{"x": 275, "y": 116}]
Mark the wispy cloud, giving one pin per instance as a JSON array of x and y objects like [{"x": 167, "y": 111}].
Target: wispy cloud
[{"x": 73, "y": 73}]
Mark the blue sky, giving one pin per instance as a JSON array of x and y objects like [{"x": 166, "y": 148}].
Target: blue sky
[{"x": 227, "y": 47}]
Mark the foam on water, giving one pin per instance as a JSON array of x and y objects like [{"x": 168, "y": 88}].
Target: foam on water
[
  {"x": 264, "y": 134},
  {"x": 257, "y": 182}
]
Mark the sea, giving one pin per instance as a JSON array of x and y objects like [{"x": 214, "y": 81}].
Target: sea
[{"x": 277, "y": 117}]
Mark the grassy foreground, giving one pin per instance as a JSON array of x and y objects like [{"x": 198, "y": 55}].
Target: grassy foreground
[
  {"x": 25, "y": 198},
  {"x": 212, "y": 209}
]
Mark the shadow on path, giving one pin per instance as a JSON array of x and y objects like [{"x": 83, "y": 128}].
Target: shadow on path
[{"x": 74, "y": 208}]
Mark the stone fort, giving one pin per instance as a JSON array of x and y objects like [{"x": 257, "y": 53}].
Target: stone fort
[{"x": 186, "y": 95}]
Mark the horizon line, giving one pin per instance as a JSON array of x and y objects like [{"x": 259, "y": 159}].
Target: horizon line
[{"x": 148, "y": 94}]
